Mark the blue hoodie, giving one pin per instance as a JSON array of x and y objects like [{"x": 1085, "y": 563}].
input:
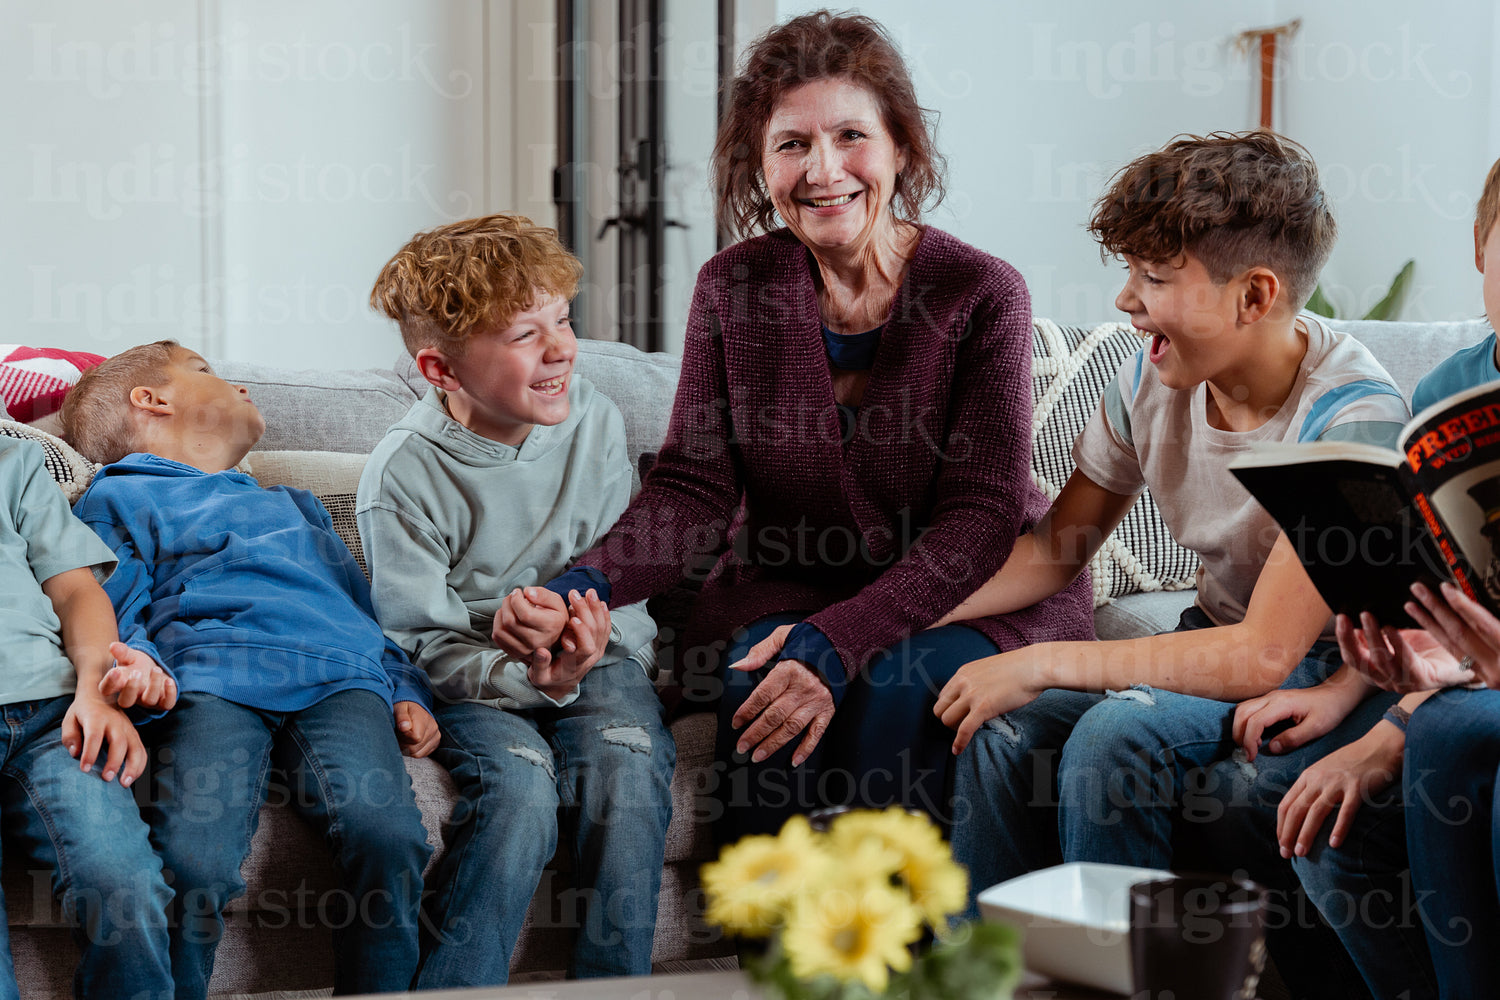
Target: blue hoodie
[{"x": 238, "y": 591}]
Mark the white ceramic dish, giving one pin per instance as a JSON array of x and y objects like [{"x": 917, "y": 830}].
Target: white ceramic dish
[{"x": 1075, "y": 918}]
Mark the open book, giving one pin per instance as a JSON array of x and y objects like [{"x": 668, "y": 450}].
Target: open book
[{"x": 1367, "y": 521}]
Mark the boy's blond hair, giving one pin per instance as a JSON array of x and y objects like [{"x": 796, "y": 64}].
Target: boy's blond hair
[
  {"x": 96, "y": 413},
  {"x": 1232, "y": 200},
  {"x": 451, "y": 282},
  {"x": 1489, "y": 205}
]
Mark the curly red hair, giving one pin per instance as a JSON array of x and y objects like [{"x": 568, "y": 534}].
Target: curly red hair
[{"x": 448, "y": 283}]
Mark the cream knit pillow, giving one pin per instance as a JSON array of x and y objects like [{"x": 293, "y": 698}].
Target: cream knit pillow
[{"x": 1070, "y": 368}]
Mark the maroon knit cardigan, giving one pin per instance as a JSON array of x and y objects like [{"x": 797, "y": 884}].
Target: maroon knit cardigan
[{"x": 871, "y": 541}]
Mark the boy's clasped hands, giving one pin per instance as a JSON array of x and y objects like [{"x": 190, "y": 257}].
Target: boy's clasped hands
[{"x": 559, "y": 642}]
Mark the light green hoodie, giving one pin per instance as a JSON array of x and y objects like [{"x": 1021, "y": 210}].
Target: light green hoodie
[{"x": 452, "y": 522}]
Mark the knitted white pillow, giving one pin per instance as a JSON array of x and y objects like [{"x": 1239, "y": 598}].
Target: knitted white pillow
[
  {"x": 1070, "y": 368},
  {"x": 70, "y": 470}
]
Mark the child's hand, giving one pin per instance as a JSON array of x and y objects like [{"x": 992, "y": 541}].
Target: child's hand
[
  {"x": 982, "y": 689},
  {"x": 582, "y": 643},
  {"x": 1343, "y": 780},
  {"x": 416, "y": 730},
  {"x": 529, "y": 623},
  {"x": 1315, "y": 711},
  {"x": 89, "y": 725},
  {"x": 137, "y": 679}
]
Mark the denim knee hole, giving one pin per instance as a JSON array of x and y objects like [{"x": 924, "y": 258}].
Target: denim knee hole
[
  {"x": 1136, "y": 692},
  {"x": 1001, "y": 724},
  {"x": 631, "y": 737},
  {"x": 535, "y": 757}
]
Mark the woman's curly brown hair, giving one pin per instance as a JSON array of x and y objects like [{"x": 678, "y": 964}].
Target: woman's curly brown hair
[
  {"x": 447, "y": 283},
  {"x": 812, "y": 47},
  {"x": 1232, "y": 200}
]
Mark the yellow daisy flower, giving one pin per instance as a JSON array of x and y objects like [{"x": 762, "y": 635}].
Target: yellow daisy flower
[
  {"x": 923, "y": 865},
  {"x": 751, "y": 886},
  {"x": 860, "y": 933}
]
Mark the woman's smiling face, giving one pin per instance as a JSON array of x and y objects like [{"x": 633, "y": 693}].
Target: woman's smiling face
[{"x": 830, "y": 164}]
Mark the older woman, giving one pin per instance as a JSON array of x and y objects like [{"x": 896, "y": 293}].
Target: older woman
[{"x": 854, "y": 420}]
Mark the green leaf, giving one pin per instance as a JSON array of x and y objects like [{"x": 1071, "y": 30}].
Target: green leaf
[
  {"x": 1319, "y": 304},
  {"x": 1388, "y": 307},
  {"x": 982, "y": 961}
]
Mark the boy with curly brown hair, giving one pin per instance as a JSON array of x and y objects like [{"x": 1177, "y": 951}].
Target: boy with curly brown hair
[
  {"x": 509, "y": 469},
  {"x": 1223, "y": 237}
]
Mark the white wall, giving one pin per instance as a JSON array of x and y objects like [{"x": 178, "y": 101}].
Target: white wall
[
  {"x": 1041, "y": 101},
  {"x": 233, "y": 173},
  {"x": 102, "y": 200}
]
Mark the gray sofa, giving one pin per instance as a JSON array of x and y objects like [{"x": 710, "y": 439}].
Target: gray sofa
[{"x": 275, "y": 940}]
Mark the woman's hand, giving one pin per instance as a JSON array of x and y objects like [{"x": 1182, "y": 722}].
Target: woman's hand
[
  {"x": 1403, "y": 660},
  {"x": 788, "y": 700},
  {"x": 1466, "y": 630},
  {"x": 1343, "y": 780},
  {"x": 764, "y": 651}
]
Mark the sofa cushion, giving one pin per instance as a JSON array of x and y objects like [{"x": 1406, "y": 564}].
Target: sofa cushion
[
  {"x": 1070, "y": 368},
  {"x": 1410, "y": 350}
]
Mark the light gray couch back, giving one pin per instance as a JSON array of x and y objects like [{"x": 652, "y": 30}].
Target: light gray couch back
[{"x": 350, "y": 410}]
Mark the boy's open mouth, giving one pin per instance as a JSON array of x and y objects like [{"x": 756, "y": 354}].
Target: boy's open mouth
[
  {"x": 1159, "y": 345},
  {"x": 552, "y": 386},
  {"x": 834, "y": 202}
]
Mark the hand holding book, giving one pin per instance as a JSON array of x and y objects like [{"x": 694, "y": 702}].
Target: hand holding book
[
  {"x": 1402, "y": 660},
  {"x": 1467, "y": 631}
]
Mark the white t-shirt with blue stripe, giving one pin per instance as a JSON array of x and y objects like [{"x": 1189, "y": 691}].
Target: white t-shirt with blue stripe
[{"x": 1145, "y": 434}]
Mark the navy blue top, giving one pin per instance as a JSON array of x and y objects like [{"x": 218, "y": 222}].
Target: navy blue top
[{"x": 854, "y": 352}]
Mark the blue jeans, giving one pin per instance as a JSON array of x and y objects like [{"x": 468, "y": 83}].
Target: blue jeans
[
  {"x": 344, "y": 774},
  {"x": 1152, "y": 778},
  {"x": 884, "y": 745},
  {"x": 1142, "y": 760},
  {"x": 599, "y": 768},
  {"x": 1005, "y": 791},
  {"x": 1127, "y": 778},
  {"x": 88, "y": 834},
  {"x": 1453, "y": 835}
]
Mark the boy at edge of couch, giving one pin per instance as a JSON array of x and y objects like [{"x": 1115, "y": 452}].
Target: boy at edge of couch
[
  {"x": 257, "y": 609},
  {"x": 1089, "y": 751},
  {"x": 1408, "y": 798},
  {"x": 509, "y": 468},
  {"x": 66, "y": 678}
]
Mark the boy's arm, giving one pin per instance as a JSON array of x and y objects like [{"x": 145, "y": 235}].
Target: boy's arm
[
  {"x": 1228, "y": 663},
  {"x": 1052, "y": 554},
  {"x": 129, "y": 586},
  {"x": 88, "y": 629},
  {"x": 428, "y": 619}
]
